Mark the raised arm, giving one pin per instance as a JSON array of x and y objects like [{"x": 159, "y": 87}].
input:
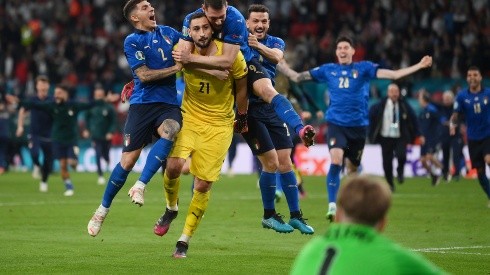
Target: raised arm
[
  {"x": 183, "y": 54},
  {"x": 425, "y": 62},
  {"x": 284, "y": 68}
]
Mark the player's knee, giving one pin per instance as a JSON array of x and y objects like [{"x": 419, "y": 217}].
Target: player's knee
[
  {"x": 263, "y": 88},
  {"x": 202, "y": 185},
  {"x": 285, "y": 166},
  {"x": 270, "y": 165},
  {"x": 169, "y": 129},
  {"x": 487, "y": 159},
  {"x": 174, "y": 168}
]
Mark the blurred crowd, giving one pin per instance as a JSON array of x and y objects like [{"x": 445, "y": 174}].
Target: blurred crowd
[{"x": 80, "y": 41}]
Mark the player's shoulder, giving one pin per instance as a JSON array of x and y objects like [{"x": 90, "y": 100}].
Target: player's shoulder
[
  {"x": 233, "y": 13},
  {"x": 275, "y": 41}
]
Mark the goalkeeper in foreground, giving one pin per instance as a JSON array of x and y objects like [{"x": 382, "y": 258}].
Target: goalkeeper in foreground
[{"x": 354, "y": 245}]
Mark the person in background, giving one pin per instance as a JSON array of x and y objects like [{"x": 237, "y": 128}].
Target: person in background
[
  {"x": 39, "y": 135},
  {"x": 347, "y": 115},
  {"x": 4, "y": 135},
  {"x": 474, "y": 103},
  {"x": 430, "y": 128},
  {"x": 451, "y": 145},
  {"x": 393, "y": 124},
  {"x": 100, "y": 123},
  {"x": 354, "y": 243}
]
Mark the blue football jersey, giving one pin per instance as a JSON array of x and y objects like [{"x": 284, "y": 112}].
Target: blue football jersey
[
  {"x": 270, "y": 42},
  {"x": 430, "y": 123},
  {"x": 348, "y": 90},
  {"x": 476, "y": 110},
  {"x": 154, "y": 50},
  {"x": 234, "y": 30}
]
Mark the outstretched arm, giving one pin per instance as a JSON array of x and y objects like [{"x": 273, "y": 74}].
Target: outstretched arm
[
  {"x": 284, "y": 68},
  {"x": 425, "y": 62}
]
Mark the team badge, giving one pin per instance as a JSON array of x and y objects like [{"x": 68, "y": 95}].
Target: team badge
[
  {"x": 70, "y": 112},
  {"x": 105, "y": 113},
  {"x": 485, "y": 100},
  {"x": 127, "y": 139},
  {"x": 185, "y": 31},
  {"x": 355, "y": 73},
  {"x": 332, "y": 141},
  {"x": 139, "y": 55},
  {"x": 167, "y": 39}
]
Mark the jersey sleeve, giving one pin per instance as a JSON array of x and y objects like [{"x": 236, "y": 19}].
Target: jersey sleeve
[
  {"x": 278, "y": 43},
  {"x": 234, "y": 30},
  {"x": 239, "y": 66},
  {"x": 458, "y": 103},
  {"x": 319, "y": 74},
  {"x": 370, "y": 69},
  {"x": 134, "y": 53}
]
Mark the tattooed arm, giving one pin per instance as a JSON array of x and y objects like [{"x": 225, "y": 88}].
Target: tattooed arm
[
  {"x": 147, "y": 75},
  {"x": 284, "y": 68}
]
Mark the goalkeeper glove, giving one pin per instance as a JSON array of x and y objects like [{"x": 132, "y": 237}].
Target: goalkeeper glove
[
  {"x": 127, "y": 91},
  {"x": 240, "y": 124}
]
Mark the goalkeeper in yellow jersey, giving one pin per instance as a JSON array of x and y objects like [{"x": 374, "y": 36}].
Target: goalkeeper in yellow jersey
[{"x": 208, "y": 116}]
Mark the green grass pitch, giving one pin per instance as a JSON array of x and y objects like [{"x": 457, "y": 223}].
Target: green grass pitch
[{"x": 45, "y": 233}]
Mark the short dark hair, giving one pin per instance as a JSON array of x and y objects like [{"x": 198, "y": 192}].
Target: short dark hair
[
  {"x": 215, "y": 4},
  {"x": 345, "y": 39},
  {"x": 197, "y": 15},
  {"x": 64, "y": 87},
  {"x": 42, "y": 78},
  {"x": 474, "y": 68},
  {"x": 257, "y": 8},
  {"x": 129, "y": 7}
]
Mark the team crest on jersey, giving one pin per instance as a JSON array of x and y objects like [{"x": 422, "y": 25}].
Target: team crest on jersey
[
  {"x": 127, "y": 139},
  {"x": 139, "y": 55},
  {"x": 485, "y": 100},
  {"x": 70, "y": 112},
  {"x": 185, "y": 31},
  {"x": 355, "y": 74},
  {"x": 167, "y": 39},
  {"x": 105, "y": 113},
  {"x": 332, "y": 141}
]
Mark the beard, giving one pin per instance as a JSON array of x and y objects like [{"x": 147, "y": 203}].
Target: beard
[{"x": 203, "y": 44}]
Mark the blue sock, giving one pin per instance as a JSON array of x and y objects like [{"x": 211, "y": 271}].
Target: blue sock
[
  {"x": 286, "y": 112},
  {"x": 278, "y": 182},
  {"x": 484, "y": 183},
  {"x": 267, "y": 184},
  {"x": 158, "y": 153},
  {"x": 115, "y": 183},
  {"x": 290, "y": 188},
  {"x": 333, "y": 182},
  {"x": 68, "y": 184}
]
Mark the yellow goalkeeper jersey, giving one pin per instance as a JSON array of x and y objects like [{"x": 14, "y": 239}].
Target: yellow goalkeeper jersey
[{"x": 208, "y": 99}]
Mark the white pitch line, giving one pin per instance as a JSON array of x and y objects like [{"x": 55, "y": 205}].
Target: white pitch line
[{"x": 450, "y": 250}]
